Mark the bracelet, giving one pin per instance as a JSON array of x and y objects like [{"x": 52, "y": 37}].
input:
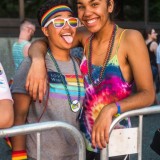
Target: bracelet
[{"x": 118, "y": 108}]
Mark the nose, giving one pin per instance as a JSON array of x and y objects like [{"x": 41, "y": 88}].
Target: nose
[
  {"x": 87, "y": 12},
  {"x": 66, "y": 25}
]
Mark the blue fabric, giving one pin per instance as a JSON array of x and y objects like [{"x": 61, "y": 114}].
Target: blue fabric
[{"x": 17, "y": 52}]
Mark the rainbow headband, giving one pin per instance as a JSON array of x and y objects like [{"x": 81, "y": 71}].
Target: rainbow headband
[{"x": 52, "y": 11}]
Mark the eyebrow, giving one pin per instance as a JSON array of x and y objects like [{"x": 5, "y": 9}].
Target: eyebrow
[
  {"x": 89, "y": 1},
  {"x": 93, "y": 1}
]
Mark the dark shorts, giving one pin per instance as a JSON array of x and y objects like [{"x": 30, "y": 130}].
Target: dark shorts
[{"x": 96, "y": 156}]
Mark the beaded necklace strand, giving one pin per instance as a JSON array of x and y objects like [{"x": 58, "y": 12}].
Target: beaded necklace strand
[
  {"x": 106, "y": 60},
  {"x": 74, "y": 105}
]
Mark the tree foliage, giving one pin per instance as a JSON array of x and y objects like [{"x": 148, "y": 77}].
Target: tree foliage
[
  {"x": 9, "y": 9},
  {"x": 129, "y": 10},
  {"x": 154, "y": 10}
]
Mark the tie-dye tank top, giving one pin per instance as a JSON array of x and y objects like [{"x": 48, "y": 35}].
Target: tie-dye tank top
[{"x": 112, "y": 89}]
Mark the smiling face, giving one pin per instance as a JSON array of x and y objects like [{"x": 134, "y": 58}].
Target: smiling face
[
  {"x": 153, "y": 34},
  {"x": 60, "y": 37},
  {"x": 94, "y": 14}
]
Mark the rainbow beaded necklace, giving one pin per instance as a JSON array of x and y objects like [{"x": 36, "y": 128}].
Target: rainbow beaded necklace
[{"x": 107, "y": 57}]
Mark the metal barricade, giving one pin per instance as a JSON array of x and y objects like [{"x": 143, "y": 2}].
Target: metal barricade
[
  {"x": 43, "y": 126},
  {"x": 139, "y": 112}
]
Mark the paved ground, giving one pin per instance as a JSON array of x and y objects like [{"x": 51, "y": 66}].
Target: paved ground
[{"x": 151, "y": 123}]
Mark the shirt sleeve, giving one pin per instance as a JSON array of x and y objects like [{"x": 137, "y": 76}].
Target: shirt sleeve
[
  {"x": 4, "y": 88},
  {"x": 20, "y": 76}
]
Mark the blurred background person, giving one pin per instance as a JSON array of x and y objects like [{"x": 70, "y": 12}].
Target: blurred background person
[
  {"x": 20, "y": 48},
  {"x": 151, "y": 42}
]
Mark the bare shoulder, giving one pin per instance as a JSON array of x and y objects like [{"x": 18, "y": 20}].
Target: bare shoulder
[
  {"x": 133, "y": 36},
  {"x": 154, "y": 43},
  {"x": 82, "y": 34},
  {"x": 133, "y": 39}
]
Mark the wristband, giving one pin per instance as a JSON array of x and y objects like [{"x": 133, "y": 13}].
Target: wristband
[{"x": 118, "y": 108}]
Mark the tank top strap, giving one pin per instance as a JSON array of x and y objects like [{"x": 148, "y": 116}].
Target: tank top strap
[
  {"x": 87, "y": 41},
  {"x": 120, "y": 38}
]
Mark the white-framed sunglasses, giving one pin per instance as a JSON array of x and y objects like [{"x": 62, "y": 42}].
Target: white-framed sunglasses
[{"x": 60, "y": 22}]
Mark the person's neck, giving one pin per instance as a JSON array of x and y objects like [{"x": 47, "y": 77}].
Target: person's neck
[
  {"x": 61, "y": 55},
  {"x": 23, "y": 37},
  {"x": 105, "y": 33}
]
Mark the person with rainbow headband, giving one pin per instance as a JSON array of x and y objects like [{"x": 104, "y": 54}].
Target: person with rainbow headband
[
  {"x": 65, "y": 91},
  {"x": 114, "y": 61}
]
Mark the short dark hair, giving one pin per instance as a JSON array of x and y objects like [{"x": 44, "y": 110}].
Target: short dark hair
[
  {"x": 48, "y": 5},
  {"x": 148, "y": 30}
]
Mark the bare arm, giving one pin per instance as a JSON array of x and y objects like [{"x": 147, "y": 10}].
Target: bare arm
[
  {"x": 138, "y": 60},
  {"x": 37, "y": 76},
  {"x": 6, "y": 102},
  {"x": 6, "y": 113},
  {"x": 153, "y": 47},
  {"x": 21, "y": 107},
  {"x": 25, "y": 50},
  {"x": 21, "y": 102}
]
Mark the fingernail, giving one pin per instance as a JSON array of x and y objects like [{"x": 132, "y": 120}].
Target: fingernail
[
  {"x": 93, "y": 146},
  {"x": 40, "y": 101}
]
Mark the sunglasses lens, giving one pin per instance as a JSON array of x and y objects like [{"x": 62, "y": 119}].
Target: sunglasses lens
[
  {"x": 73, "y": 22},
  {"x": 58, "y": 23}
]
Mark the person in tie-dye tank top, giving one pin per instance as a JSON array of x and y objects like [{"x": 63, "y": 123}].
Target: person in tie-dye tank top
[{"x": 114, "y": 60}]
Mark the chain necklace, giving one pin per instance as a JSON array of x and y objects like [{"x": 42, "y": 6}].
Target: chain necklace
[
  {"x": 106, "y": 60},
  {"x": 74, "y": 105}
]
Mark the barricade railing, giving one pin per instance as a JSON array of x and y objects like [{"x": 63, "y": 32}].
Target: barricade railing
[
  {"x": 137, "y": 139},
  {"x": 43, "y": 126},
  {"x": 106, "y": 152}
]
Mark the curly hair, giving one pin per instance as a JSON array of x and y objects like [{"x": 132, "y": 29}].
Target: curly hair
[{"x": 48, "y": 5}]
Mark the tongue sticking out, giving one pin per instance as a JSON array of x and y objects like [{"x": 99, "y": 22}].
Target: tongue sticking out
[{"x": 68, "y": 39}]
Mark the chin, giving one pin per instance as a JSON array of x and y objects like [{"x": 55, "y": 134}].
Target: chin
[
  {"x": 93, "y": 29},
  {"x": 67, "y": 46}
]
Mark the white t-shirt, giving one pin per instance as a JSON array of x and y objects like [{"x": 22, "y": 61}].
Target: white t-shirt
[{"x": 4, "y": 88}]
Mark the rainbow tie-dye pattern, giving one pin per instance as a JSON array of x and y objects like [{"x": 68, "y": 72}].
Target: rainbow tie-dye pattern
[{"x": 113, "y": 88}]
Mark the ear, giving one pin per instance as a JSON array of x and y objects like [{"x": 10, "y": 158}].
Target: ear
[
  {"x": 45, "y": 31},
  {"x": 110, "y": 6},
  {"x": 31, "y": 31}
]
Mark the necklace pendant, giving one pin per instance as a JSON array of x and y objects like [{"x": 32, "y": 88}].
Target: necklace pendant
[{"x": 75, "y": 106}]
